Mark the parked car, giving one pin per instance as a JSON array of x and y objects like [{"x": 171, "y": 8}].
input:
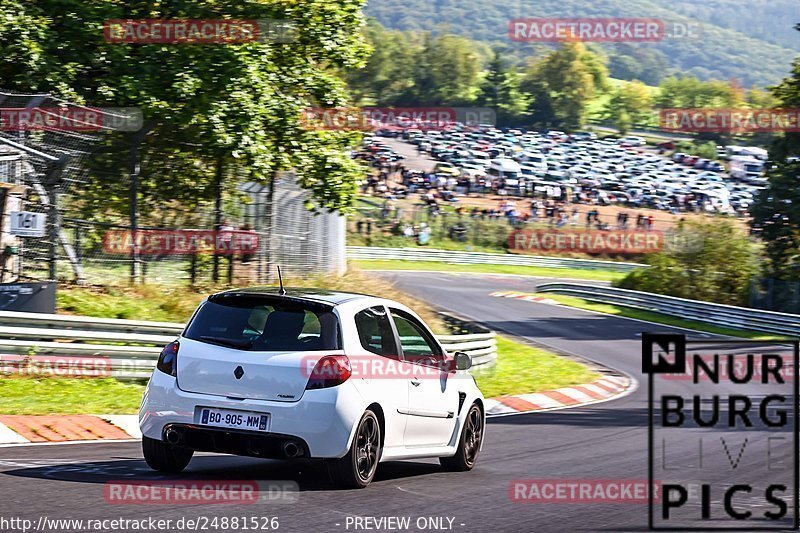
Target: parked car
[
  {"x": 666, "y": 145},
  {"x": 351, "y": 379}
]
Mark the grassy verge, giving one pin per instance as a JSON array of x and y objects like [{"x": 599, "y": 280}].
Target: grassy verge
[
  {"x": 597, "y": 275},
  {"x": 173, "y": 303},
  {"x": 650, "y": 316},
  {"x": 522, "y": 369},
  {"x": 53, "y": 395},
  {"x": 143, "y": 302}
]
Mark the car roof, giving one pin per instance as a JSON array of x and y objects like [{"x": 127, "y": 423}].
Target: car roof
[{"x": 310, "y": 294}]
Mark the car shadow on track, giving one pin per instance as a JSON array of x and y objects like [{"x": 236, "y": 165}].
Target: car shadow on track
[
  {"x": 309, "y": 475},
  {"x": 580, "y": 417}
]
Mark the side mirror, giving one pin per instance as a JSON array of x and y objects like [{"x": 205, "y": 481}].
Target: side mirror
[{"x": 462, "y": 360}]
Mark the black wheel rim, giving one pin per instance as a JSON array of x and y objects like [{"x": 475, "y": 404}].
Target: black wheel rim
[
  {"x": 473, "y": 431},
  {"x": 367, "y": 443}
]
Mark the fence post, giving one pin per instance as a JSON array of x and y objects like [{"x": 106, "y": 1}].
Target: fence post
[
  {"x": 193, "y": 269},
  {"x": 134, "y": 210},
  {"x": 217, "y": 217},
  {"x": 52, "y": 235}
]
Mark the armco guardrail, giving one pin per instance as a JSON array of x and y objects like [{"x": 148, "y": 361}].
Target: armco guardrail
[
  {"x": 128, "y": 349},
  {"x": 711, "y": 313},
  {"x": 482, "y": 258}
]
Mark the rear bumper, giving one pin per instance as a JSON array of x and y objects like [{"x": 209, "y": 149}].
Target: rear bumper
[
  {"x": 254, "y": 444},
  {"x": 322, "y": 420}
]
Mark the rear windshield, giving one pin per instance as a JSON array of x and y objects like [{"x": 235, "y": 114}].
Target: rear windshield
[{"x": 259, "y": 324}]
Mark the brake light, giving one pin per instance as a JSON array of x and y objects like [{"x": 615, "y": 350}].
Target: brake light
[
  {"x": 168, "y": 360},
  {"x": 330, "y": 371}
]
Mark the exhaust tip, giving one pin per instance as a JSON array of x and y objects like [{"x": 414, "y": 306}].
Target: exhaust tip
[
  {"x": 291, "y": 450},
  {"x": 173, "y": 436}
]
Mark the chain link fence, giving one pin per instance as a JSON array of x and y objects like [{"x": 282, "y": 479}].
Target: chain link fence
[{"x": 239, "y": 238}]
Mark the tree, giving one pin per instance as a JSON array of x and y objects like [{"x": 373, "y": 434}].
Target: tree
[
  {"x": 445, "y": 73},
  {"x": 501, "y": 90},
  {"x": 776, "y": 210},
  {"x": 630, "y": 103},
  {"x": 690, "y": 92},
  {"x": 713, "y": 262},
  {"x": 389, "y": 73},
  {"x": 564, "y": 82},
  {"x": 238, "y": 102}
]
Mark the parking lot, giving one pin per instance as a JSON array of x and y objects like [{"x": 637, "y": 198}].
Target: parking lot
[{"x": 478, "y": 167}]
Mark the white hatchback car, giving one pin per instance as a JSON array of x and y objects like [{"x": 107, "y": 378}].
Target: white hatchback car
[{"x": 310, "y": 374}]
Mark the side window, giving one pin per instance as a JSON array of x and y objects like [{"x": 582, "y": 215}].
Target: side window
[
  {"x": 415, "y": 339},
  {"x": 375, "y": 332}
]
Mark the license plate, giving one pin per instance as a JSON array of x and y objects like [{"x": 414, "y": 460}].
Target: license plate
[{"x": 227, "y": 418}]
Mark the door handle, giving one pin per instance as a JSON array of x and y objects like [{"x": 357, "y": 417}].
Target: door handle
[{"x": 415, "y": 382}]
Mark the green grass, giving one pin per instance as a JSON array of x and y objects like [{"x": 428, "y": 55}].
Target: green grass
[
  {"x": 650, "y": 316},
  {"x": 597, "y": 275},
  {"x": 379, "y": 240},
  {"x": 522, "y": 369},
  {"x": 54, "y": 395}
]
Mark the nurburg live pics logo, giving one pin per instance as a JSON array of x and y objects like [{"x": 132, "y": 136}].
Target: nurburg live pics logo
[{"x": 723, "y": 444}]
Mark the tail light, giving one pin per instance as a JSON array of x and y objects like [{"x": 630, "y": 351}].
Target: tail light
[
  {"x": 168, "y": 360},
  {"x": 329, "y": 371}
]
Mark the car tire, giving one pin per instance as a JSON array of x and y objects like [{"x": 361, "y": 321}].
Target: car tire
[
  {"x": 357, "y": 468},
  {"x": 469, "y": 445},
  {"x": 165, "y": 457}
]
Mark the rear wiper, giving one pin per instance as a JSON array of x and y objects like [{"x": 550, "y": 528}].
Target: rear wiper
[{"x": 232, "y": 343}]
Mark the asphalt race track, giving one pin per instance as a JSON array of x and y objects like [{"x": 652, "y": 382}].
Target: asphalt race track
[{"x": 604, "y": 441}]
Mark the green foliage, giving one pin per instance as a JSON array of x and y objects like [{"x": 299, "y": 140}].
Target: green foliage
[
  {"x": 238, "y": 105},
  {"x": 776, "y": 211},
  {"x": 501, "y": 90},
  {"x": 146, "y": 302},
  {"x": 629, "y": 104},
  {"x": 707, "y": 150},
  {"x": 689, "y": 91},
  {"x": 720, "y": 270},
  {"x": 563, "y": 84},
  {"x": 631, "y": 61},
  {"x": 752, "y": 43}
]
